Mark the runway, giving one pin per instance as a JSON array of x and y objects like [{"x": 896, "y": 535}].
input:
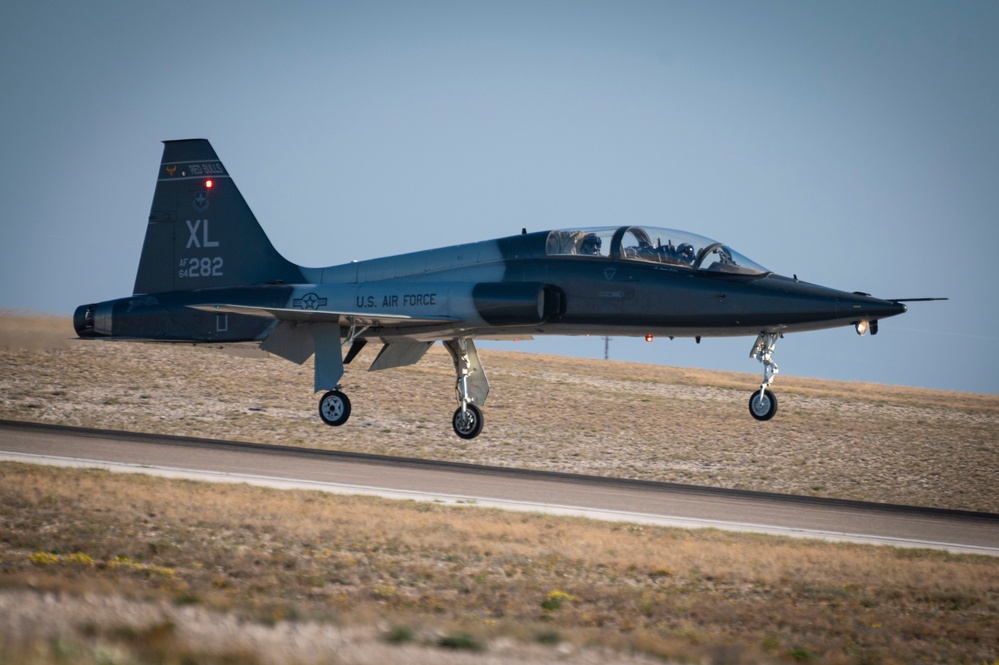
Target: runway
[{"x": 634, "y": 501}]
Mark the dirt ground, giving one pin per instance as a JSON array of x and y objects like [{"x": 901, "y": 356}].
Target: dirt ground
[{"x": 857, "y": 441}]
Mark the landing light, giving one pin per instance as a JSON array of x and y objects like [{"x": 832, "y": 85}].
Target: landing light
[
  {"x": 861, "y": 327},
  {"x": 648, "y": 338}
]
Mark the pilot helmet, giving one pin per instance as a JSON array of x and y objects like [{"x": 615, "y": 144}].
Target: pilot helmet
[
  {"x": 591, "y": 244},
  {"x": 686, "y": 252}
]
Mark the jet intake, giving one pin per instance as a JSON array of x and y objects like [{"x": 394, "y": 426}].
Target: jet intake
[{"x": 515, "y": 304}]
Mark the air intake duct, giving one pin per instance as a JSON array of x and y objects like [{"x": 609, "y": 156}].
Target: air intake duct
[{"x": 515, "y": 303}]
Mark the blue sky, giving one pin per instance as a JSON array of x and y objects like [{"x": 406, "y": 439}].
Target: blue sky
[{"x": 852, "y": 143}]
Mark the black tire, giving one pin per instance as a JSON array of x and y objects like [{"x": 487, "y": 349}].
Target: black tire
[
  {"x": 334, "y": 408},
  {"x": 468, "y": 423},
  {"x": 763, "y": 408}
]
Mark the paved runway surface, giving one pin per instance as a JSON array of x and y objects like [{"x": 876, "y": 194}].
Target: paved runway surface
[{"x": 512, "y": 489}]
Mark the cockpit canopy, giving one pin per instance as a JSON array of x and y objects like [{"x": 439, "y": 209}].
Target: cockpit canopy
[{"x": 651, "y": 244}]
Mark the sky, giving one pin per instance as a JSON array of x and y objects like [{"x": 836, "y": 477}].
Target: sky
[{"x": 854, "y": 144}]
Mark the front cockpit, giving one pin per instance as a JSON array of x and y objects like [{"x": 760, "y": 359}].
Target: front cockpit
[{"x": 649, "y": 244}]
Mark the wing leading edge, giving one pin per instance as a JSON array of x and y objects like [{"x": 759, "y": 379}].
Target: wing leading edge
[{"x": 322, "y": 316}]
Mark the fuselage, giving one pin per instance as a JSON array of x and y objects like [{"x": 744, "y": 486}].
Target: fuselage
[{"x": 527, "y": 284}]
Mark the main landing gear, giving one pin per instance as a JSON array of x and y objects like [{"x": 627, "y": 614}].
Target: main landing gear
[
  {"x": 467, "y": 421},
  {"x": 763, "y": 403},
  {"x": 334, "y": 408},
  {"x": 471, "y": 388}
]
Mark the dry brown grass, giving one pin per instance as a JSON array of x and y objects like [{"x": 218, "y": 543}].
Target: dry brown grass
[
  {"x": 484, "y": 578},
  {"x": 857, "y": 441},
  {"x": 191, "y": 554}
]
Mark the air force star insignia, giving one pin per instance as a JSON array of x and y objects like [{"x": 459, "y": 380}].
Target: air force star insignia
[{"x": 309, "y": 301}]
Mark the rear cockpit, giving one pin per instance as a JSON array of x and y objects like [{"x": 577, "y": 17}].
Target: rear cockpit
[{"x": 667, "y": 247}]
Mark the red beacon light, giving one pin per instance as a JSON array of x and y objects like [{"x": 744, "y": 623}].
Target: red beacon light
[
  {"x": 648, "y": 338},
  {"x": 209, "y": 184}
]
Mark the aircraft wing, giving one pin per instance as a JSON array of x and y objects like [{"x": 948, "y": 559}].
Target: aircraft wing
[{"x": 323, "y": 316}]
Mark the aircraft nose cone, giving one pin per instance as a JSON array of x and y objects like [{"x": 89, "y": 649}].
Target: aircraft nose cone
[{"x": 868, "y": 308}]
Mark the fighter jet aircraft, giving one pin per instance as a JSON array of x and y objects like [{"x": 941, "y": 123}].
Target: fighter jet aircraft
[{"x": 208, "y": 274}]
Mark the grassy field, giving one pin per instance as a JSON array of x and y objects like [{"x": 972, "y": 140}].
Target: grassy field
[
  {"x": 408, "y": 580},
  {"x": 97, "y": 567}
]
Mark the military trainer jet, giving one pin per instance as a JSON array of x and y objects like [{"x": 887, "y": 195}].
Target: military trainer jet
[{"x": 208, "y": 274}]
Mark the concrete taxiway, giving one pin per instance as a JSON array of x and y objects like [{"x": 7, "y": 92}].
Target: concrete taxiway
[{"x": 635, "y": 501}]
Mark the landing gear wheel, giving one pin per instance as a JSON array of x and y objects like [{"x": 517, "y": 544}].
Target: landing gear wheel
[
  {"x": 763, "y": 407},
  {"x": 334, "y": 408},
  {"x": 467, "y": 423}
]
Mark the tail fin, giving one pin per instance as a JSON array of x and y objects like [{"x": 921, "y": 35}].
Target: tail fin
[{"x": 201, "y": 233}]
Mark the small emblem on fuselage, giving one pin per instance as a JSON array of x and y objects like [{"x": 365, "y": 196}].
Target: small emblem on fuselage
[
  {"x": 609, "y": 273},
  {"x": 201, "y": 201},
  {"x": 170, "y": 170},
  {"x": 309, "y": 301}
]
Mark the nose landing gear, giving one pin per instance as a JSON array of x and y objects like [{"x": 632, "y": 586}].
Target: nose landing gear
[{"x": 763, "y": 403}]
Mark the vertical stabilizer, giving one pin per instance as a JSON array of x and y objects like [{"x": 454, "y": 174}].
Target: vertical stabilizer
[{"x": 201, "y": 233}]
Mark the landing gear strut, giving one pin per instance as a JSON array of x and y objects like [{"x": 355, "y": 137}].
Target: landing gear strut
[
  {"x": 763, "y": 403},
  {"x": 470, "y": 386},
  {"x": 334, "y": 407}
]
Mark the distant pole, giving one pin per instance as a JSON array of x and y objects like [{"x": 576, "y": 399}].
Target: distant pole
[{"x": 607, "y": 348}]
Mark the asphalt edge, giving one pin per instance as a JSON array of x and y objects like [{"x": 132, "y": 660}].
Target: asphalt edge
[{"x": 510, "y": 472}]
